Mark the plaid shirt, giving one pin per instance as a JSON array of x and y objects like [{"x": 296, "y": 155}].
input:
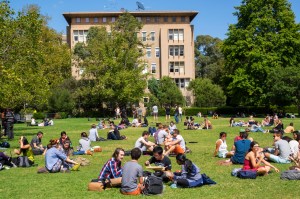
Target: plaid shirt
[{"x": 111, "y": 169}]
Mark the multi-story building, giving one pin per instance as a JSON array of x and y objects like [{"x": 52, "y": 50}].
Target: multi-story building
[{"x": 169, "y": 36}]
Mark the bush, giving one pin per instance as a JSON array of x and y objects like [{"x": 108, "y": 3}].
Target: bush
[{"x": 39, "y": 115}]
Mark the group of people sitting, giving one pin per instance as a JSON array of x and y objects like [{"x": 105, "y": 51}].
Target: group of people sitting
[
  {"x": 247, "y": 152},
  {"x": 192, "y": 125},
  {"x": 130, "y": 177},
  {"x": 45, "y": 122}
]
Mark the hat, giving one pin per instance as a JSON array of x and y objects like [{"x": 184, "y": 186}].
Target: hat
[{"x": 242, "y": 130}]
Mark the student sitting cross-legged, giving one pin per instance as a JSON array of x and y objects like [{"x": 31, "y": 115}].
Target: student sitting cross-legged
[{"x": 132, "y": 179}]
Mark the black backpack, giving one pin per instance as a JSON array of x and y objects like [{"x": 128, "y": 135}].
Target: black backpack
[{"x": 153, "y": 185}]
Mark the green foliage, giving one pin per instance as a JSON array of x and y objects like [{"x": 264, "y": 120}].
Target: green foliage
[
  {"x": 209, "y": 58},
  {"x": 206, "y": 93},
  {"x": 32, "y": 57},
  {"x": 39, "y": 115},
  {"x": 112, "y": 73},
  {"x": 60, "y": 101},
  {"x": 264, "y": 39},
  {"x": 165, "y": 91}
]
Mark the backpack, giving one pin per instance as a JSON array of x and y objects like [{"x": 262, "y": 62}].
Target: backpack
[
  {"x": 247, "y": 174},
  {"x": 5, "y": 145},
  {"x": 153, "y": 185},
  {"x": 235, "y": 171},
  {"x": 290, "y": 175}
]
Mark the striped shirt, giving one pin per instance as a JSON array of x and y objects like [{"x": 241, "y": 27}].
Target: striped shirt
[{"x": 111, "y": 169}]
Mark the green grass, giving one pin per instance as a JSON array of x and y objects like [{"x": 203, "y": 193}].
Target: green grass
[{"x": 26, "y": 183}]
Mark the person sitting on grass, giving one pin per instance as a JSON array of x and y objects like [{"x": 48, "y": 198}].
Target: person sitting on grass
[
  {"x": 172, "y": 126},
  {"x": 290, "y": 128},
  {"x": 206, "y": 124},
  {"x": 132, "y": 179},
  {"x": 93, "y": 133},
  {"x": 241, "y": 148},
  {"x": 25, "y": 149},
  {"x": 294, "y": 145},
  {"x": 143, "y": 144},
  {"x": 282, "y": 150},
  {"x": 177, "y": 145},
  {"x": 36, "y": 144},
  {"x": 255, "y": 158},
  {"x": 158, "y": 159},
  {"x": 188, "y": 177},
  {"x": 160, "y": 135},
  {"x": 63, "y": 138},
  {"x": 55, "y": 159},
  {"x": 84, "y": 145},
  {"x": 111, "y": 172},
  {"x": 221, "y": 147}
]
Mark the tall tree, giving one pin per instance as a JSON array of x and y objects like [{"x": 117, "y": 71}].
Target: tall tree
[
  {"x": 206, "y": 93},
  {"x": 209, "y": 58},
  {"x": 265, "y": 38},
  {"x": 111, "y": 62},
  {"x": 26, "y": 75}
]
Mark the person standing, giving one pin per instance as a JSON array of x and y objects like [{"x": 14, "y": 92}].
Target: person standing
[
  {"x": 180, "y": 112},
  {"x": 176, "y": 114},
  {"x": 140, "y": 113},
  {"x": 168, "y": 112},
  {"x": 9, "y": 124},
  {"x": 117, "y": 111},
  {"x": 155, "y": 112}
]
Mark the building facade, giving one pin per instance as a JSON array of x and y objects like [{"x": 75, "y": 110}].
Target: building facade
[{"x": 169, "y": 36}]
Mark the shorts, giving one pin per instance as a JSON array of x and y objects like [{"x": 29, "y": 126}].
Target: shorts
[
  {"x": 178, "y": 150},
  {"x": 138, "y": 191},
  {"x": 222, "y": 154},
  {"x": 278, "y": 159}
]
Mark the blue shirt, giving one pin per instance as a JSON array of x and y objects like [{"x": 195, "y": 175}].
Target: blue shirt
[
  {"x": 241, "y": 149},
  {"x": 52, "y": 156}
]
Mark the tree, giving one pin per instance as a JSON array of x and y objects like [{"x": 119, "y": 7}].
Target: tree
[
  {"x": 165, "y": 91},
  {"x": 265, "y": 38},
  {"x": 111, "y": 62},
  {"x": 206, "y": 93},
  {"x": 209, "y": 58},
  {"x": 31, "y": 59}
]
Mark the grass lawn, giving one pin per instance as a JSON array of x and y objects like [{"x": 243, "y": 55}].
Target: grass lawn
[{"x": 26, "y": 183}]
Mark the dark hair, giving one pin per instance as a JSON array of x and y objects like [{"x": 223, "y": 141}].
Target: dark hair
[
  {"x": 25, "y": 141},
  {"x": 63, "y": 133},
  {"x": 83, "y": 134},
  {"x": 176, "y": 131},
  {"x": 158, "y": 149},
  {"x": 252, "y": 145},
  {"x": 297, "y": 133},
  {"x": 181, "y": 158},
  {"x": 278, "y": 134},
  {"x": 287, "y": 138},
  {"x": 145, "y": 133},
  {"x": 40, "y": 133},
  {"x": 136, "y": 153},
  {"x": 222, "y": 133},
  {"x": 117, "y": 152},
  {"x": 244, "y": 135},
  {"x": 93, "y": 126}
]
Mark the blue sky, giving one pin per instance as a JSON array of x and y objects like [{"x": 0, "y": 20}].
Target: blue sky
[{"x": 213, "y": 18}]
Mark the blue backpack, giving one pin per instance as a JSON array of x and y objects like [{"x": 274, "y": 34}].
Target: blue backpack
[{"x": 247, "y": 174}]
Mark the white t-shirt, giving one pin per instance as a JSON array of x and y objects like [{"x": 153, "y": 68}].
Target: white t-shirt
[
  {"x": 182, "y": 142},
  {"x": 294, "y": 147},
  {"x": 155, "y": 109},
  {"x": 179, "y": 110},
  {"x": 139, "y": 144}
]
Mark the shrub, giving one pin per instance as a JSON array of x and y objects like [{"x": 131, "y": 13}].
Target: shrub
[{"x": 39, "y": 115}]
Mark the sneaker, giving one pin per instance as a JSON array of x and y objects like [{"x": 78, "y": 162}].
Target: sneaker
[
  {"x": 88, "y": 152},
  {"x": 75, "y": 167},
  {"x": 42, "y": 170}
]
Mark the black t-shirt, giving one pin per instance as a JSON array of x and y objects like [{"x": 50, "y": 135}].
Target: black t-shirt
[{"x": 165, "y": 162}]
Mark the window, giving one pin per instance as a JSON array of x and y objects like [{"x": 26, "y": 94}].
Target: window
[
  {"x": 152, "y": 36},
  {"x": 80, "y": 35},
  {"x": 153, "y": 68},
  {"x": 144, "y": 36},
  {"x": 96, "y": 20},
  {"x": 156, "y": 19},
  {"x": 173, "y": 19},
  {"x": 176, "y": 67},
  {"x": 148, "y": 19},
  {"x": 77, "y": 20},
  {"x": 148, "y": 52},
  {"x": 104, "y": 19},
  {"x": 139, "y": 19},
  {"x": 113, "y": 19},
  {"x": 182, "y": 19},
  {"x": 177, "y": 50},
  {"x": 157, "y": 52},
  {"x": 176, "y": 34},
  {"x": 180, "y": 34},
  {"x": 146, "y": 99},
  {"x": 87, "y": 20},
  {"x": 171, "y": 33},
  {"x": 165, "y": 19},
  {"x": 171, "y": 67},
  {"x": 181, "y": 82}
]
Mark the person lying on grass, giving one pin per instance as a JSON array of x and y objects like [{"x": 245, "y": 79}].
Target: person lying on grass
[
  {"x": 188, "y": 177},
  {"x": 255, "y": 158}
]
